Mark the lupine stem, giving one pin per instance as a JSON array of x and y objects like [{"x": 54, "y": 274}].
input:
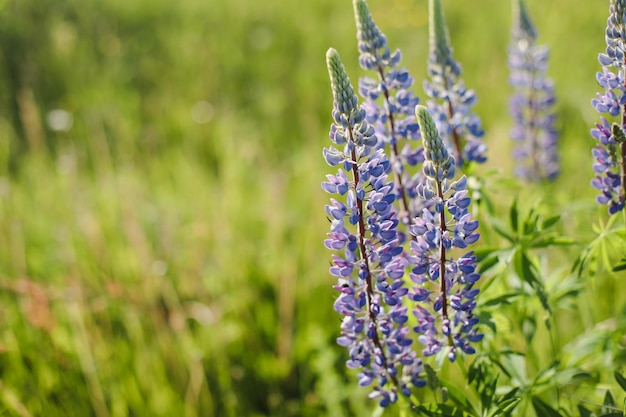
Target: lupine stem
[
  {"x": 456, "y": 138},
  {"x": 406, "y": 213},
  {"x": 610, "y": 165},
  {"x": 452, "y": 101},
  {"x": 623, "y": 146},
  {"x": 623, "y": 151},
  {"x": 443, "y": 228},
  {"x": 442, "y": 256},
  {"x": 376, "y": 56},
  {"x": 368, "y": 276}
]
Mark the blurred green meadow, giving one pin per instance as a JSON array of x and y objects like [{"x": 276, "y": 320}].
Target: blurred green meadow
[{"x": 161, "y": 215}]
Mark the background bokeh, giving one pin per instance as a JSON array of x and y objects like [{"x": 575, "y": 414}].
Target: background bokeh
[{"x": 161, "y": 218}]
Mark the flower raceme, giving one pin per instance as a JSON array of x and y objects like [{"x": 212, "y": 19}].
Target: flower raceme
[
  {"x": 610, "y": 153},
  {"x": 389, "y": 105},
  {"x": 443, "y": 287},
  {"x": 370, "y": 272},
  {"x": 370, "y": 261},
  {"x": 451, "y": 104},
  {"x": 532, "y": 103}
]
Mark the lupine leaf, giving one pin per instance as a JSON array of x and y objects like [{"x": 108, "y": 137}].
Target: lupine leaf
[
  {"x": 431, "y": 377},
  {"x": 515, "y": 366},
  {"x": 528, "y": 271},
  {"x": 460, "y": 398},
  {"x": 530, "y": 223},
  {"x": 621, "y": 380},
  {"x": 488, "y": 392},
  {"x": 543, "y": 409},
  {"x": 501, "y": 230},
  {"x": 550, "y": 221},
  {"x": 505, "y": 407},
  {"x": 608, "y": 404},
  {"x": 584, "y": 412},
  {"x": 510, "y": 395},
  {"x": 487, "y": 258},
  {"x": 504, "y": 299},
  {"x": 513, "y": 216}
]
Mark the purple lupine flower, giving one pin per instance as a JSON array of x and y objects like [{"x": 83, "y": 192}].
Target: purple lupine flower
[
  {"x": 394, "y": 119},
  {"x": 443, "y": 289},
  {"x": 370, "y": 269},
  {"x": 610, "y": 153},
  {"x": 532, "y": 102},
  {"x": 451, "y": 104}
]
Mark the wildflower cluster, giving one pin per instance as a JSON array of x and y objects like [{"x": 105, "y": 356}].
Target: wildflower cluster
[
  {"x": 401, "y": 238},
  {"x": 610, "y": 153},
  {"x": 451, "y": 104},
  {"x": 373, "y": 296},
  {"x": 532, "y": 104},
  {"x": 394, "y": 120},
  {"x": 377, "y": 206},
  {"x": 370, "y": 272}
]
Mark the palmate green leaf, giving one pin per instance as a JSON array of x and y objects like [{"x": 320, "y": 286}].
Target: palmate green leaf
[
  {"x": 601, "y": 252},
  {"x": 529, "y": 272},
  {"x": 531, "y": 222},
  {"x": 544, "y": 410},
  {"x": 563, "y": 290}
]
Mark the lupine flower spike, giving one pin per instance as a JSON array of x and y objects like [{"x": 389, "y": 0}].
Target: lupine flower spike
[
  {"x": 532, "y": 103},
  {"x": 394, "y": 119},
  {"x": 452, "y": 102},
  {"x": 610, "y": 153},
  {"x": 370, "y": 271},
  {"x": 443, "y": 286}
]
